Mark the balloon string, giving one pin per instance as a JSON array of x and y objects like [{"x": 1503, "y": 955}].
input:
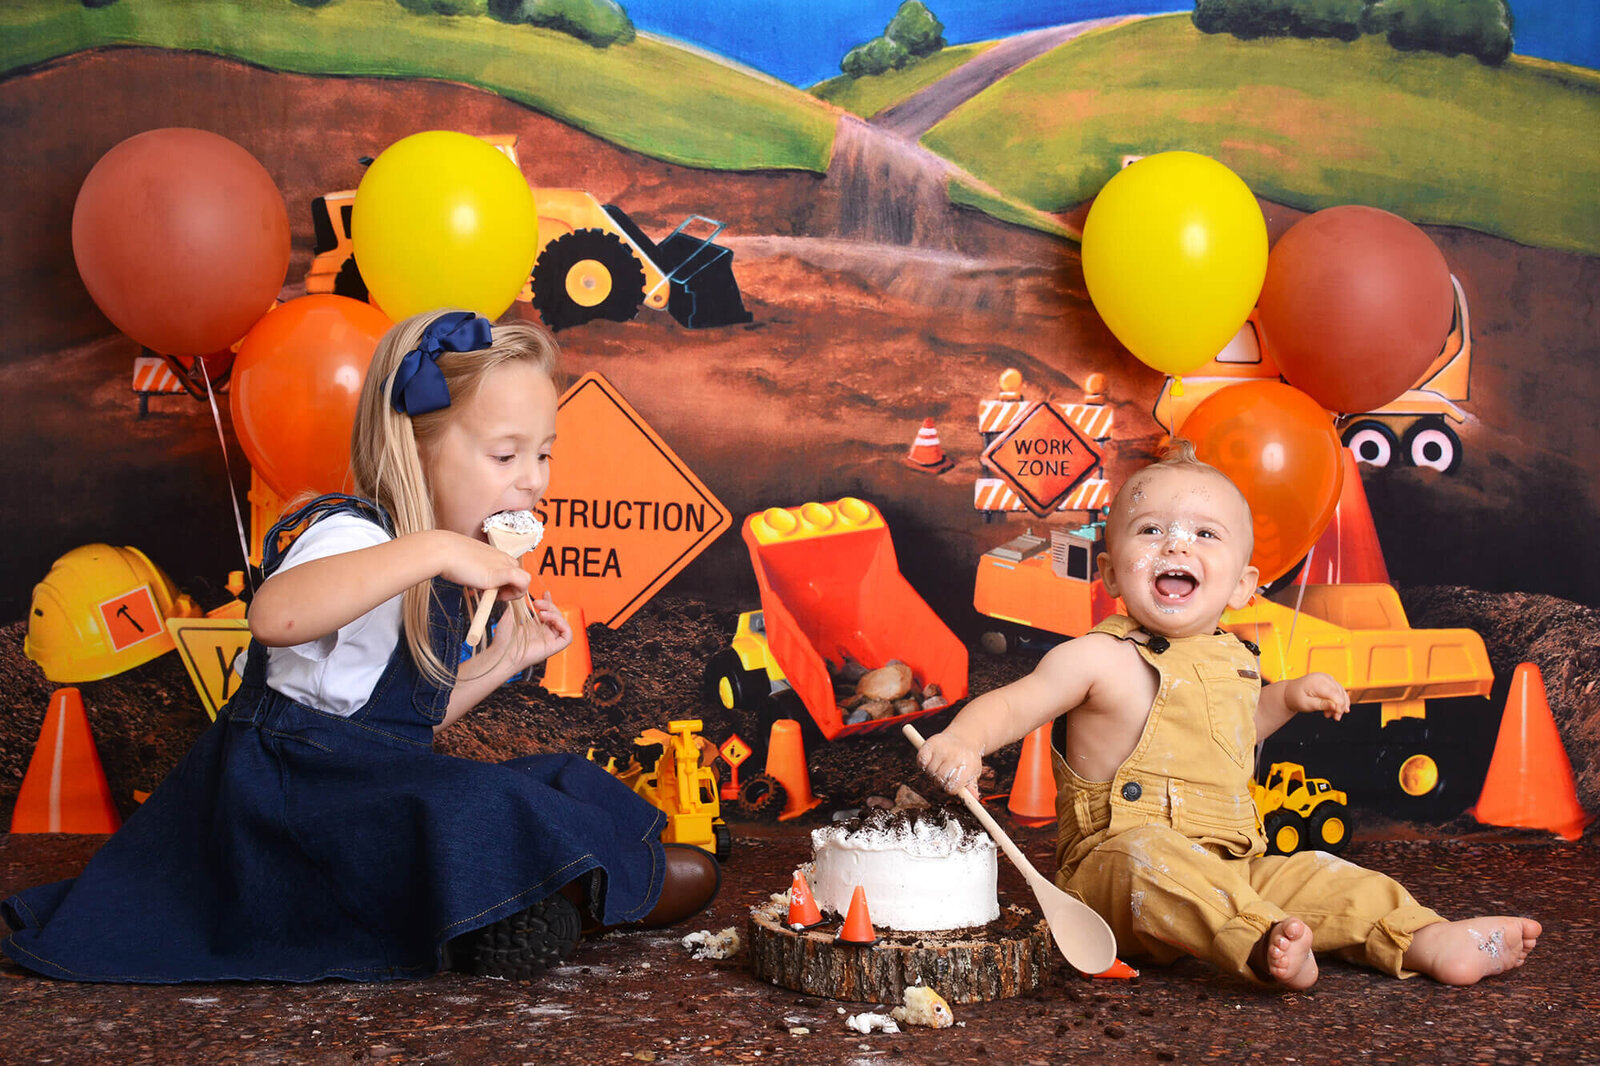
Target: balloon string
[
  {"x": 1305, "y": 572},
  {"x": 233, "y": 493}
]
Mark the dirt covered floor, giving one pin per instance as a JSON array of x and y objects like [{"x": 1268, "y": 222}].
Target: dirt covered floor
[{"x": 641, "y": 997}]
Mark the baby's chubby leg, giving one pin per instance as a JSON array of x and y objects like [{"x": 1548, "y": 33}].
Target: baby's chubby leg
[{"x": 1465, "y": 952}]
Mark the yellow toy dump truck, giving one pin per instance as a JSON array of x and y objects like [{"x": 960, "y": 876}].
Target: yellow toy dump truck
[
  {"x": 1415, "y": 427},
  {"x": 680, "y": 785},
  {"x": 1299, "y": 812},
  {"x": 593, "y": 262}
]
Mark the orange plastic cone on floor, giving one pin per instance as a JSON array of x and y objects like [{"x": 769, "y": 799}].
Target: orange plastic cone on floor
[
  {"x": 65, "y": 789},
  {"x": 803, "y": 910},
  {"x": 567, "y": 670},
  {"x": 1118, "y": 971},
  {"x": 1033, "y": 791},
  {"x": 786, "y": 763},
  {"x": 1348, "y": 552},
  {"x": 857, "y": 928},
  {"x": 926, "y": 453},
  {"x": 1529, "y": 784}
]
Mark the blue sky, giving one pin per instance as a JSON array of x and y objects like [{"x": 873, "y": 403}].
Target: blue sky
[{"x": 802, "y": 42}]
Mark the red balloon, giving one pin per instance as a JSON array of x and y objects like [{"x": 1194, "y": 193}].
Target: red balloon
[
  {"x": 1282, "y": 450},
  {"x": 1356, "y": 305},
  {"x": 182, "y": 240},
  {"x": 296, "y": 383}
]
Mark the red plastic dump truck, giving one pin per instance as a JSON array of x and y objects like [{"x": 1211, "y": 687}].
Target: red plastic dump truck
[{"x": 830, "y": 588}]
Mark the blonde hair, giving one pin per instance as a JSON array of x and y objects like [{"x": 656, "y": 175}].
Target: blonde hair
[
  {"x": 1179, "y": 455},
  {"x": 387, "y": 446}
]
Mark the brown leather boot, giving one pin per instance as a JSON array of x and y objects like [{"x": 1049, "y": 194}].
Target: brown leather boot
[{"x": 691, "y": 883}]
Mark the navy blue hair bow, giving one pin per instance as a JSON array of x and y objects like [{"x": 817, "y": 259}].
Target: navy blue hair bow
[{"x": 418, "y": 382}]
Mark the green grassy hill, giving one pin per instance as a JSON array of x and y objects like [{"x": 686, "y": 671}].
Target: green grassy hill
[
  {"x": 1513, "y": 151},
  {"x": 649, "y": 95},
  {"x": 867, "y": 96}
]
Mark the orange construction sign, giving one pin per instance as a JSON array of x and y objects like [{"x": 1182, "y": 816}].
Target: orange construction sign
[
  {"x": 622, "y": 515},
  {"x": 131, "y": 617},
  {"x": 1043, "y": 455}
]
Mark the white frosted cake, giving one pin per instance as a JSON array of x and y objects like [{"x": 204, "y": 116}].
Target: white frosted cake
[{"x": 922, "y": 870}]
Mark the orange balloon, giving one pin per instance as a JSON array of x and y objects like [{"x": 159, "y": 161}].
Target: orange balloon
[
  {"x": 1282, "y": 450},
  {"x": 181, "y": 238},
  {"x": 296, "y": 384}
]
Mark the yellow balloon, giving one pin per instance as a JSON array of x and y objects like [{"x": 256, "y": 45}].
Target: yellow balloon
[
  {"x": 442, "y": 219},
  {"x": 1174, "y": 254}
]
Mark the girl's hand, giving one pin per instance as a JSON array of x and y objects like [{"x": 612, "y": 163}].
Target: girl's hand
[
  {"x": 1317, "y": 692},
  {"x": 534, "y": 637},
  {"x": 954, "y": 764},
  {"x": 478, "y": 565}
]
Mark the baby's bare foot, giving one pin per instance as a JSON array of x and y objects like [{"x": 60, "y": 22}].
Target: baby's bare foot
[
  {"x": 1465, "y": 952},
  {"x": 1284, "y": 955}
]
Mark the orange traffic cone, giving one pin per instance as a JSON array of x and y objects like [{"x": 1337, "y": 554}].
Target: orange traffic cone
[
  {"x": 786, "y": 764},
  {"x": 857, "y": 928},
  {"x": 1118, "y": 971},
  {"x": 1529, "y": 784},
  {"x": 803, "y": 910},
  {"x": 65, "y": 789},
  {"x": 1033, "y": 790},
  {"x": 926, "y": 453},
  {"x": 1348, "y": 552},
  {"x": 567, "y": 670}
]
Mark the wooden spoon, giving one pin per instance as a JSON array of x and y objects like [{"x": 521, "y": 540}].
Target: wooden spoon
[
  {"x": 516, "y": 533},
  {"x": 1081, "y": 934}
]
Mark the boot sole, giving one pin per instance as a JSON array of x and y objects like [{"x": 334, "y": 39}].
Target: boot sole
[{"x": 522, "y": 946}]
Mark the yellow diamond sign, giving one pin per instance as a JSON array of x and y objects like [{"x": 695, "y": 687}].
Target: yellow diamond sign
[{"x": 622, "y": 515}]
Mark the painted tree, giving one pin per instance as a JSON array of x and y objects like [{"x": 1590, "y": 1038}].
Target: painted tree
[{"x": 914, "y": 32}]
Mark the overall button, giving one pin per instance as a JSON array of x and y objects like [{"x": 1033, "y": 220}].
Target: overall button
[{"x": 1131, "y": 791}]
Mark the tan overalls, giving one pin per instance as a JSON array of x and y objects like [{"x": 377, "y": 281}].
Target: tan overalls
[{"x": 1170, "y": 851}]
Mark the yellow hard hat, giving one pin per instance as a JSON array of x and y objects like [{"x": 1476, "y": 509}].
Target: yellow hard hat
[{"x": 99, "y": 611}]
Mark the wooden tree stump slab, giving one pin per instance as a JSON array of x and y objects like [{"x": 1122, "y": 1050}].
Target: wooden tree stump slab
[{"x": 1008, "y": 957}]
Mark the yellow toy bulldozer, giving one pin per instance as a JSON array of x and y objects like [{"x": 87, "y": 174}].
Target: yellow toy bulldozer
[
  {"x": 680, "y": 786},
  {"x": 593, "y": 262},
  {"x": 1301, "y": 813}
]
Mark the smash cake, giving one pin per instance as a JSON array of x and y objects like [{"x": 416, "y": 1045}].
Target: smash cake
[
  {"x": 929, "y": 878},
  {"x": 921, "y": 870}
]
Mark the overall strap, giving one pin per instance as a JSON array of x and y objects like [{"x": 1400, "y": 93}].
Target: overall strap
[{"x": 273, "y": 550}]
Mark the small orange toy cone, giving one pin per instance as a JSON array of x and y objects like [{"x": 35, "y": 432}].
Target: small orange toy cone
[
  {"x": 926, "y": 453},
  {"x": 1348, "y": 551},
  {"x": 803, "y": 910},
  {"x": 567, "y": 670},
  {"x": 65, "y": 789},
  {"x": 857, "y": 928},
  {"x": 1529, "y": 784},
  {"x": 1033, "y": 792},
  {"x": 1119, "y": 971},
  {"x": 786, "y": 763}
]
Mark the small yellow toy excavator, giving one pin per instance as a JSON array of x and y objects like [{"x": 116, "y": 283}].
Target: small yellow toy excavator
[{"x": 679, "y": 785}]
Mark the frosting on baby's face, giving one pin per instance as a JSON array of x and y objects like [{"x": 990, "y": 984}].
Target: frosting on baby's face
[{"x": 1178, "y": 544}]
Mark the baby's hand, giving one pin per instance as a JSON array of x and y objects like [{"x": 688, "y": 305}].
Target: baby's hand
[
  {"x": 951, "y": 762},
  {"x": 1317, "y": 692}
]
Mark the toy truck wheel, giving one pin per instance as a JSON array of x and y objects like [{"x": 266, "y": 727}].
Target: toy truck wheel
[
  {"x": 349, "y": 282},
  {"x": 584, "y": 275},
  {"x": 1433, "y": 444},
  {"x": 1372, "y": 442},
  {"x": 604, "y": 688},
  {"x": 724, "y": 841},
  {"x": 762, "y": 795},
  {"x": 1286, "y": 832},
  {"x": 1330, "y": 827},
  {"x": 732, "y": 686}
]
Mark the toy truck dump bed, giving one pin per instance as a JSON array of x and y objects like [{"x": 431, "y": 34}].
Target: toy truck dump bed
[{"x": 831, "y": 587}]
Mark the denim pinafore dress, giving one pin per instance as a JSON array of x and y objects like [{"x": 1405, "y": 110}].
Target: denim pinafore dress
[{"x": 291, "y": 844}]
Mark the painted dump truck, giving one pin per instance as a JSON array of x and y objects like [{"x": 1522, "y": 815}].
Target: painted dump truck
[
  {"x": 1416, "y": 427},
  {"x": 831, "y": 589}
]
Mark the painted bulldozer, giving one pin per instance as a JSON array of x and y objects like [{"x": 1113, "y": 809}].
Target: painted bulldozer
[{"x": 593, "y": 262}]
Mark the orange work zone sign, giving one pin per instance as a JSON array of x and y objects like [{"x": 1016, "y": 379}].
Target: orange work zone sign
[
  {"x": 1043, "y": 455},
  {"x": 131, "y": 617},
  {"x": 622, "y": 515}
]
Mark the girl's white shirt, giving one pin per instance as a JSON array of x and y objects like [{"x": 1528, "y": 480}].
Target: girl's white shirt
[{"x": 337, "y": 673}]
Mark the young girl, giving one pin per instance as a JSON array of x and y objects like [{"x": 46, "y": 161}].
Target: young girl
[{"x": 312, "y": 832}]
